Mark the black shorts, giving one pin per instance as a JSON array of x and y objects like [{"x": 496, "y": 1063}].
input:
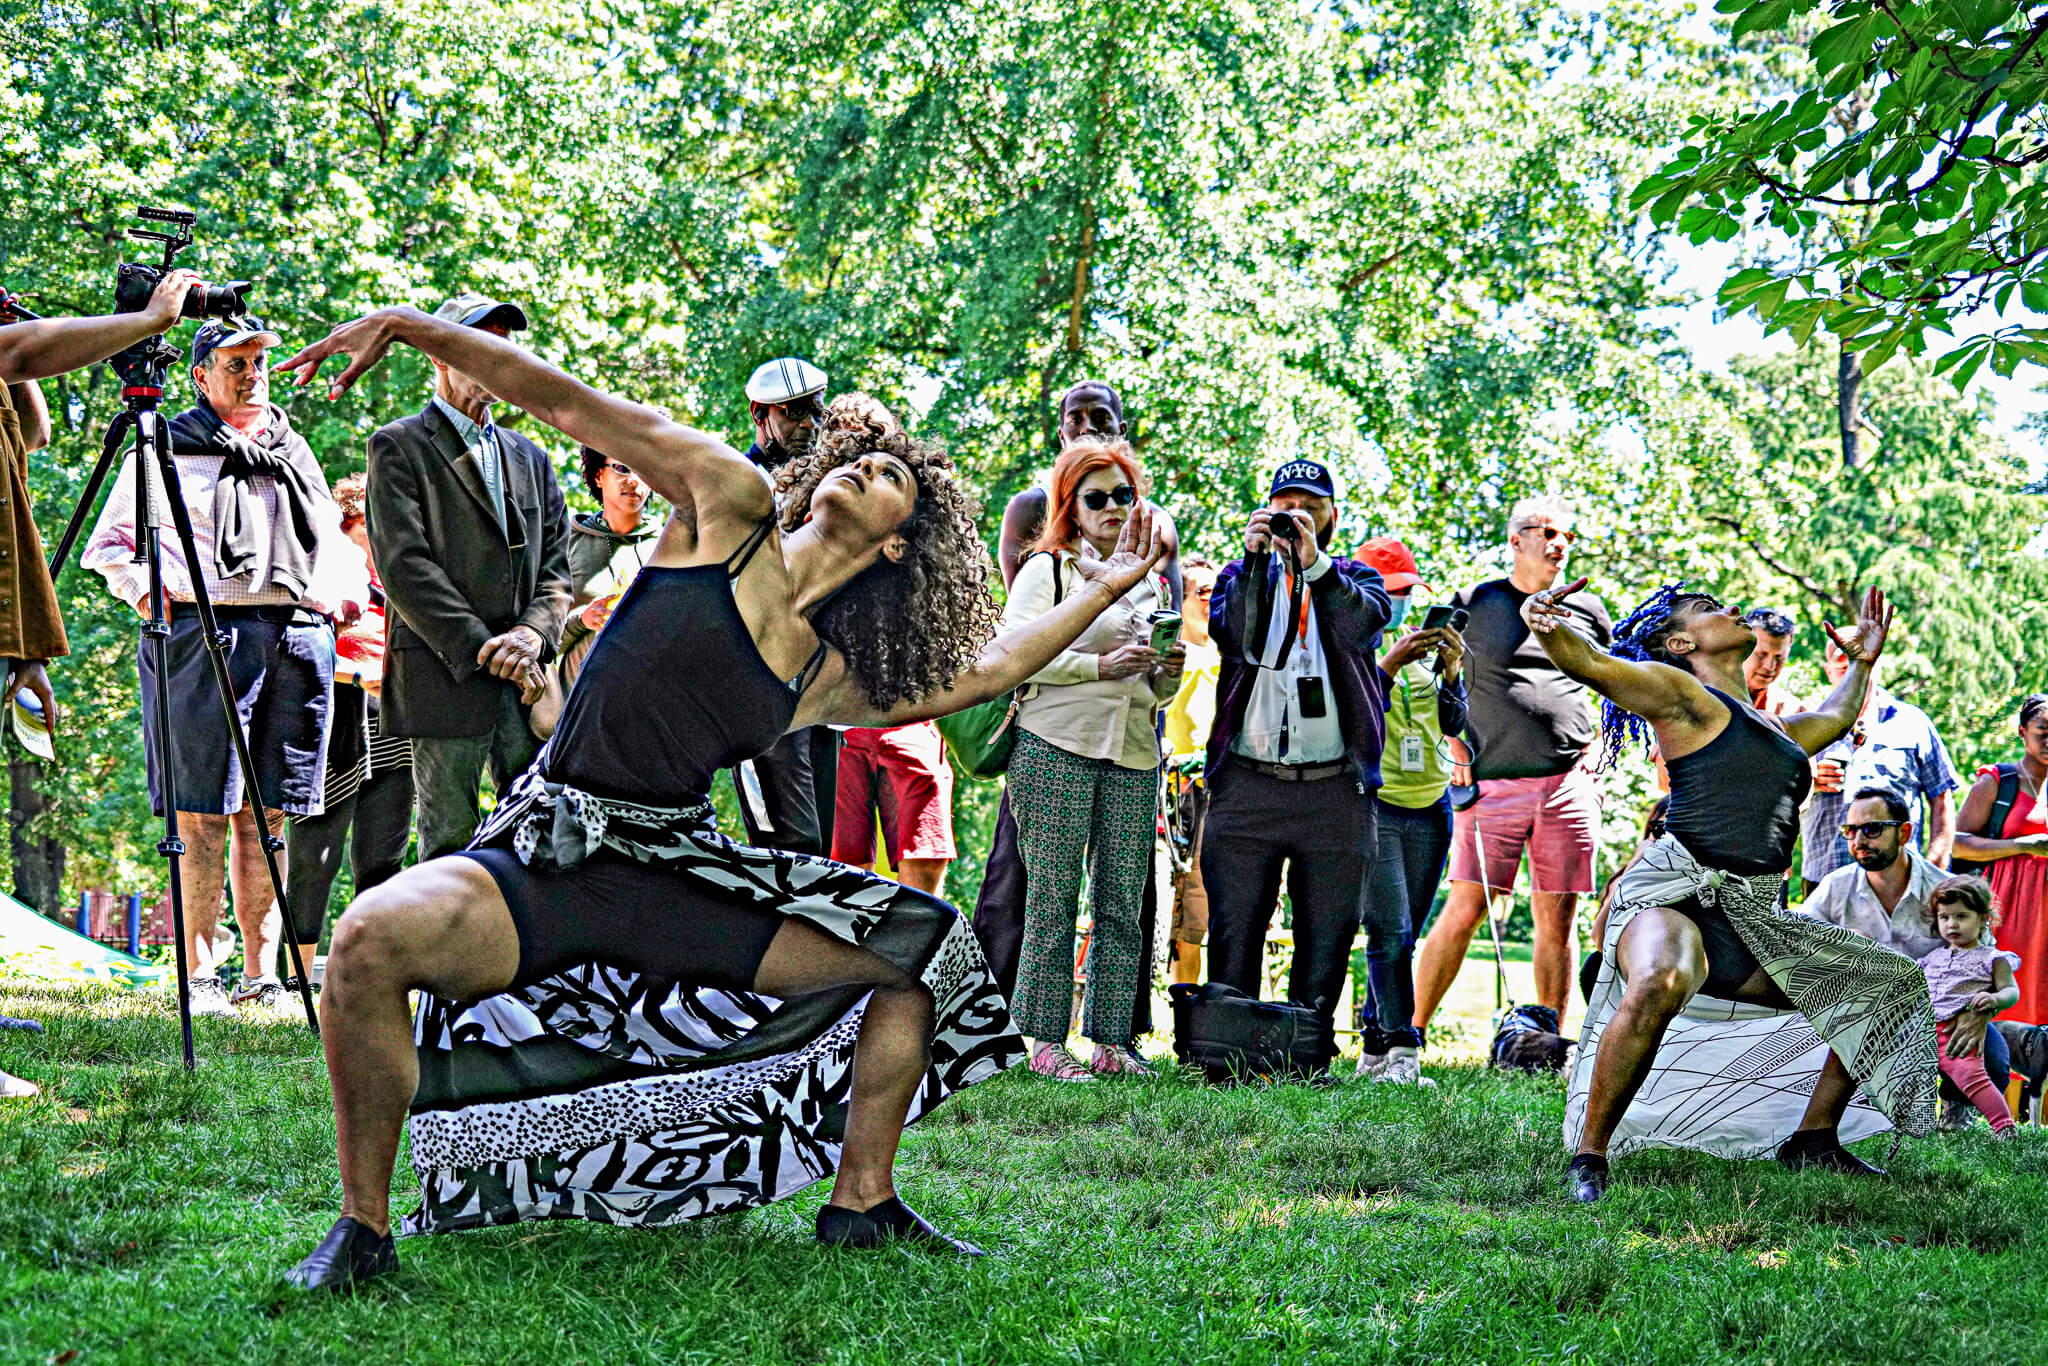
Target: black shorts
[
  {"x": 1729, "y": 961},
  {"x": 282, "y": 676},
  {"x": 641, "y": 917}
]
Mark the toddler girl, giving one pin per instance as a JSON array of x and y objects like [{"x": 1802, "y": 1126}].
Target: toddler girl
[{"x": 1966, "y": 974}]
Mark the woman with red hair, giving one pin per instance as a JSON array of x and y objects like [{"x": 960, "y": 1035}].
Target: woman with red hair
[{"x": 1084, "y": 777}]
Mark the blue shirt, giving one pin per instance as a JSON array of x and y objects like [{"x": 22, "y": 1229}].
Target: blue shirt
[
  {"x": 1900, "y": 751},
  {"x": 482, "y": 442}
]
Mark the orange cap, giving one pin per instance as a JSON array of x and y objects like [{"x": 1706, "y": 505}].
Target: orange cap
[{"x": 1394, "y": 561}]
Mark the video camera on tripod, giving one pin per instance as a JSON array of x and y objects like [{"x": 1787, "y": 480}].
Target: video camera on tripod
[{"x": 142, "y": 365}]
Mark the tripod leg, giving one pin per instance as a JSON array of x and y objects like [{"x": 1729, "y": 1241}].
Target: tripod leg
[
  {"x": 117, "y": 432},
  {"x": 217, "y": 652},
  {"x": 156, "y": 638}
]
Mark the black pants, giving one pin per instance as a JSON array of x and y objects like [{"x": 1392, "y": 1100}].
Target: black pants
[
  {"x": 1322, "y": 835},
  {"x": 375, "y": 825},
  {"x": 999, "y": 916},
  {"x": 799, "y": 792}
]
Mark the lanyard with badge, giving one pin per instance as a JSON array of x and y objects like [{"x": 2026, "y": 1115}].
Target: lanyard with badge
[{"x": 1311, "y": 700}]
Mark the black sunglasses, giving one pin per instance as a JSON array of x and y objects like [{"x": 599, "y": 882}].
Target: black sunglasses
[
  {"x": 616, "y": 468},
  {"x": 1095, "y": 500},
  {"x": 1870, "y": 830},
  {"x": 1551, "y": 533}
]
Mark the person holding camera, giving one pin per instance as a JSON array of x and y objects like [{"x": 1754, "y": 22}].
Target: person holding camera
[
  {"x": 471, "y": 536},
  {"x": 31, "y": 627},
  {"x": 1294, "y": 755},
  {"x": 1084, "y": 777},
  {"x": 1412, "y": 811},
  {"x": 281, "y": 575}
]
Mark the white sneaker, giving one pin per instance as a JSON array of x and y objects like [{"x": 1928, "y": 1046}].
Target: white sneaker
[
  {"x": 1403, "y": 1072},
  {"x": 209, "y": 997},
  {"x": 1369, "y": 1065},
  {"x": 265, "y": 995},
  {"x": 15, "y": 1088}
]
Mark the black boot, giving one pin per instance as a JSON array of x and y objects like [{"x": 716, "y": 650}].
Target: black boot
[
  {"x": 348, "y": 1255},
  {"x": 1587, "y": 1176},
  {"x": 1822, "y": 1149},
  {"x": 890, "y": 1221}
]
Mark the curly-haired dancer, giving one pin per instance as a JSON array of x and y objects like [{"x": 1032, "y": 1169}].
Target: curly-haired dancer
[
  {"x": 630, "y": 1018},
  {"x": 1698, "y": 911}
]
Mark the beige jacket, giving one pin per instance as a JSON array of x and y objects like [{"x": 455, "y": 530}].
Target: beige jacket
[{"x": 1067, "y": 703}]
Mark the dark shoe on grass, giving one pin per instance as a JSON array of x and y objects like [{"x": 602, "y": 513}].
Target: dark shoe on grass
[
  {"x": 1587, "y": 1177},
  {"x": 1822, "y": 1150},
  {"x": 349, "y": 1255},
  {"x": 890, "y": 1221}
]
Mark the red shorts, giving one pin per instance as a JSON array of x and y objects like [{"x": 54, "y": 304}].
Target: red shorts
[
  {"x": 902, "y": 773},
  {"x": 1557, "y": 819}
]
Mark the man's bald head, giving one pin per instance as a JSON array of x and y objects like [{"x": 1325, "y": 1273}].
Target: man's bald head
[{"x": 1091, "y": 408}]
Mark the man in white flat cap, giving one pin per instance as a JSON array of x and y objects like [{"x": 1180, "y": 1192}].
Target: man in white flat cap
[
  {"x": 788, "y": 795},
  {"x": 788, "y": 400}
]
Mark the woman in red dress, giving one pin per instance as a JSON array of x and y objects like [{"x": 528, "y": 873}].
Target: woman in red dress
[{"x": 2017, "y": 859}]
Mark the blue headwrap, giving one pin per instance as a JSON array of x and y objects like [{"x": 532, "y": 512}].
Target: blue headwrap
[{"x": 1632, "y": 641}]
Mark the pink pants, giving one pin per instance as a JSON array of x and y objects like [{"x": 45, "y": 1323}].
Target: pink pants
[{"x": 1976, "y": 1083}]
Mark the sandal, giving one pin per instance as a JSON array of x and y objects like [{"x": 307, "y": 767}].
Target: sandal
[
  {"x": 1054, "y": 1061},
  {"x": 1120, "y": 1062}
]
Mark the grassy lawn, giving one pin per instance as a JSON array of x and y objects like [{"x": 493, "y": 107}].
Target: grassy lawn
[{"x": 144, "y": 1215}]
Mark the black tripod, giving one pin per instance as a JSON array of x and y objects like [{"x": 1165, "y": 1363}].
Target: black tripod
[{"x": 142, "y": 368}]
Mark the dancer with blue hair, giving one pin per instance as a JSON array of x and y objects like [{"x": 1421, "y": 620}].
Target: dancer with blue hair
[{"x": 1699, "y": 912}]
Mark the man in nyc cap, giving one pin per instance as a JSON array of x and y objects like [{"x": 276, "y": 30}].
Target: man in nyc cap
[
  {"x": 470, "y": 534},
  {"x": 280, "y": 573},
  {"x": 788, "y": 795},
  {"x": 1294, "y": 754}
]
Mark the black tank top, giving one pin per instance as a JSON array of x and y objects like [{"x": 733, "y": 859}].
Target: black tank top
[
  {"x": 1735, "y": 803},
  {"x": 674, "y": 690}
]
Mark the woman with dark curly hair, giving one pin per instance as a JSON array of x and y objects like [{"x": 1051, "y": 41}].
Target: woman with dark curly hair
[{"x": 628, "y": 1017}]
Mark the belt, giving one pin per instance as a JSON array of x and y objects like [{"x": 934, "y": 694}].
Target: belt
[
  {"x": 281, "y": 614},
  {"x": 1295, "y": 773}
]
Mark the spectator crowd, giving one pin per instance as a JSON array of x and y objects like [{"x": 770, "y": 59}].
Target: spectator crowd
[{"x": 1241, "y": 773}]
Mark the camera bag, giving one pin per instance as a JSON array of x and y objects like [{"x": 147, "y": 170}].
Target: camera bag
[{"x": 1232, "y": 1037}]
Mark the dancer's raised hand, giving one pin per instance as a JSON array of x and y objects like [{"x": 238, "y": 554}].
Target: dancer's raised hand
[
  {"x": 363, "y": 341},
  {"x": 1874, "y": 623},
  {"x": 1544, "y": 612},
  {"x": 1138, "y": 548}
]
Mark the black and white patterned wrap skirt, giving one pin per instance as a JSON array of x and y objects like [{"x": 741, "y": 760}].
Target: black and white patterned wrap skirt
[{"x": 602, "y": 1093}]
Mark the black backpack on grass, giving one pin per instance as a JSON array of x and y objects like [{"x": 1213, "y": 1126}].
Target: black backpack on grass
[{"x": 1234, "y": 1038}]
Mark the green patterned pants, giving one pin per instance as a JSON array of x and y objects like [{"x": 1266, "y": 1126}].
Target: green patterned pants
[{"x": 1074, "y": 813}]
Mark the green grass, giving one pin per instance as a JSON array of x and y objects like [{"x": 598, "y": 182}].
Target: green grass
[{"x": 145, "y": 1213}]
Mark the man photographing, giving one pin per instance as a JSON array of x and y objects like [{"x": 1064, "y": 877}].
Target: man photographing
[
  {"x": 1294, "y": 755},
  {"x": 31, "y": 630}
]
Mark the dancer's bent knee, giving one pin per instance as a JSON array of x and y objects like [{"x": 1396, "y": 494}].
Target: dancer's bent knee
[{"x": 440, "y": 926}]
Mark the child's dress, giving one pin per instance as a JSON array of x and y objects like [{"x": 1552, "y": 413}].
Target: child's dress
[{"x": 1953, "y": 977}]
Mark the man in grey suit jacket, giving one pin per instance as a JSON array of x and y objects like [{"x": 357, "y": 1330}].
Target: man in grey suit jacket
[{"x": 470, "y": 534}]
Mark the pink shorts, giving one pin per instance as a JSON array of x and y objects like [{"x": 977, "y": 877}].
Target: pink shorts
[
  {"x": 902, "y": 773},
  {"x": 1556, "y": 819}
]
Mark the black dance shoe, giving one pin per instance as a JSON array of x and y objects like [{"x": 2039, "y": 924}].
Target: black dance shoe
[
  {"x": 1821, "y": 1149},
  {"x": 890, "y": 1221},
  {"x": 347, "y": 1256},
  {"x": 1587, "y": 1176}
]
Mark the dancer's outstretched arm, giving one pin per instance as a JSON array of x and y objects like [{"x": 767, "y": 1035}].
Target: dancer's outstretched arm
[
  {"x": 1813, "y": 731},
  {"x": 1655, "y": 692},
  {"x": 1011, "y": 657},
  {"x": 686, "y": 466}
]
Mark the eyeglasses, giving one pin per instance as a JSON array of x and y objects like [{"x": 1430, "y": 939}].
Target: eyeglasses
[
  {"x": 809, "y": 408},
  {"x": 1549, "y": 533},
  {"x": 1095, "y": 500},
  {"x": 1870, "y": 830},
  {"x": 616, "y": 468}
]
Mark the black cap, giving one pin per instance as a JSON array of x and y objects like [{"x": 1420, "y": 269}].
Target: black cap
[{"x": 218, "y": 332}]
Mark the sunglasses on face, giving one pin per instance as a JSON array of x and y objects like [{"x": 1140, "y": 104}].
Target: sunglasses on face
[
  {"x": 616, "y": 468},
  {"x": 1870, "y": 830},
  {"x": 1095, "y": 500},
  {"x": 1550, "y": 533},
  {"x": 805, "y": 409}
]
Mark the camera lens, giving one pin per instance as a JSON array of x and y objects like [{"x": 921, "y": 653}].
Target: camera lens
[{"x": 218, "y": 301}]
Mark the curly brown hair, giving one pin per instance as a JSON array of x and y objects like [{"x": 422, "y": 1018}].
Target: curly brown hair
[
  {"x": 1973, "y": 894},
  {"x": 907, "y": 628}
]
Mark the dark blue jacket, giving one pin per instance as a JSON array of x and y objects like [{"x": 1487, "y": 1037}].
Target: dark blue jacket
[{"x": 1351, "y": 609}]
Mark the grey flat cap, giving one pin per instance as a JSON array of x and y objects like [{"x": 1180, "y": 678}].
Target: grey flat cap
[{"x": 469, "y": 309}]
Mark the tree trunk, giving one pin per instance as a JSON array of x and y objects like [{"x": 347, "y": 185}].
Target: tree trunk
[
  {"x": 1849, "y": 407},
  {"x": 38, "y": 855},
  {"x": 1078, "y": 303}
]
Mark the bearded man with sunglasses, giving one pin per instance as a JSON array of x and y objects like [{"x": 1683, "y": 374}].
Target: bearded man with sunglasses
[{"x": 1531, "y": 727}]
